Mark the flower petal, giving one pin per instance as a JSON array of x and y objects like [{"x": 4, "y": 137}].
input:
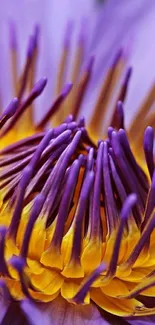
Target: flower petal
[
  {"x": 60, "y": 312},
  {"x": 14, "y": 316},
  {"x": 142, "y": 320}
]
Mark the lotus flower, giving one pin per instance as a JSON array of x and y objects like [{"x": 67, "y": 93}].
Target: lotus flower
[{"x": 77, "y": 212}]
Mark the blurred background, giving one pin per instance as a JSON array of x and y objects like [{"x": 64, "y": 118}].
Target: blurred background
[{"x": 108, "y": 25}]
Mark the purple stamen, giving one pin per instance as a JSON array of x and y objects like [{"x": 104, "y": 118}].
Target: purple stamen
[
  {"x": 13, "y": 36},
  {"x": 68, "y": 33},
  {"x": 150, "y": 202},
  {"x": 110, "y": 204},
  {"x": 117, "y": 58},
  {"x": 35, "y": 92},
  {"x": 80, "y": 296},
  {"x": 38, "y": 88},
  {"x": 36, "y": 35},
  {"x": 26, "y": 176},
  {"x": 127, "y": 206},
  {"x": 9, "y": 112},
  {"x": 117, "y": 180},
  {"x": 60, "y": 129},
  {"x": 53, "y": 183},
  {"x": 125, "y": 85},
  {"x": 79, "y": 216},
  {"x": 82, "y": 34},
  {"x": 14, "y": 225},
  {"x": 31, "y": 47},
  {"x": 15, "y": 167},
  {"x": 63, "y": 138},
  {"x": 137, "y": 170},
  {"x": 81, "y": 122},
  {"x": 141, "y": 243},
  {"x": 148, "y": 149},
  {"x": 42, "y": 172},
  {"x": 120, "y": 112},
  {"x": 129, "y": 177},
  {"x": 66, "y": 203},
  {"x": 68, "y": 119},
  {"x": 95, "y": 213},
  {"x": 21, "y": 143},
  {"x": 19, "y": 264},
  {"x": 90, "y": 159},
  {"x": 37, "y": 206},
  {"x": 110, "y": 131},
  {"x": 16, "y": 157},
  {"x": 3, "y": 266}
]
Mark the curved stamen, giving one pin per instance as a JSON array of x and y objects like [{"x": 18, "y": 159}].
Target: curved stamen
[
  {"x": 150, "y": 202},
  {"x": 29, "y": 56},
  {"x": 90, "y": 159},
  {"x": 138, "y": 171},
  {"x": 3, "y": 266},
  {"x": 79, "y": 216},
  {"x": 125, "y": 85},
  {"x": 117, "y": 180},
  {"x": 148, "y": 149},
  {"x": 127, "y": 206},
  {"x": 36, "y": 209},
  {"x": 9, "y": 112},
  {"x": 126, "y": 171},
  {"x": 95, "y": 213},
  {"x": 21, "y": 143},
  {"x": 19, "y": 264},
  {"x": 59, "y": 170},
  {"x": 65, "y": 204},
  {"x": 27, "y": 174},
  {"x": 110, "y": 204},
  {"x": 141, "y": 243},
  {"x": 85, "y": 286},
  {"x": 35, "y": 92}
]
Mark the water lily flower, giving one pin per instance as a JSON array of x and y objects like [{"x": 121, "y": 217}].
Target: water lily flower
[{"x": 77, "y": 211}]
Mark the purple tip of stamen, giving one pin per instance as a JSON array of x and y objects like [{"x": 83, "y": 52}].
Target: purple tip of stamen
[
  {"x": 120, "y": 112},
  {"x": 117, "y": 58},
  {"x": 128, "y": 74},
  {"x": 80, "y": 296},
  {"x": 148, "y": 149},
  {"x": 82, "y": 33},
  {"x": 17, "y": 262},
  {"x": 39, "y": 86},
  {"x": 148, "y": 138},
  {"x": 68, "y": 32},
  {"x": 2, "y": 231},
  {"x": 30, "y": 46},
  {"x": 82, "y": 159},
  {"x": 66, "y": 90},
  {"x": 128, "y": 204},
  {"x": 69, "y": 118},
  {"x": 90, "y": 64},
  {"x": 36, "y": 34},
  {"x": 110, "y": 131},
  {"x": 81, "y": 122},
  {"x": 12, "y": 32},
  {"x": 12, "y": 108}
]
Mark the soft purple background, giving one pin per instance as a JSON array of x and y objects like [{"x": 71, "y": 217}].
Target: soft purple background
[{"x": 118, "y": 22}]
